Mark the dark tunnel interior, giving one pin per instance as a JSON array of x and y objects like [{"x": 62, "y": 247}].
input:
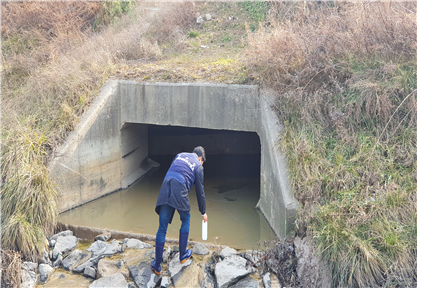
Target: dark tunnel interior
[{"x": 230, "y": 154}]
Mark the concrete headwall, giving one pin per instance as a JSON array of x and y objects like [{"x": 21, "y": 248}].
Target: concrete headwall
[{"x": 109, "y": 149}]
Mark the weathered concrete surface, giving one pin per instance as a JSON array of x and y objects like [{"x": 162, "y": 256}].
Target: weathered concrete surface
[
  {"x": 277, "y": 203},
  {"x": 109, "y": 149}
]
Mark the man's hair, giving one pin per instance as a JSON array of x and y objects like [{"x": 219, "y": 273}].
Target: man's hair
[{"x": 200, "y": 152}]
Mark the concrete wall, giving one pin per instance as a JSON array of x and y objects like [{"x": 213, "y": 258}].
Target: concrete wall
[{"x": 109, "y": 149}]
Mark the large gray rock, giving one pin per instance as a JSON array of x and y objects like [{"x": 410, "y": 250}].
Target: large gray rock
[
  {"x": 97, "y": 246},
  {"x": 133, "y": 243},
  {"x": 266, "y": 280},
  {"x": 63, "y": 233},
  {"x": 102, "y": 248},
  {"x": 165, "y": 283},
  {"x": 107, "y": 267},
  {"x": 231, "y": 270},
  {"x": 141, "y": 272},
  {"x": 226, "y": 252},
  {"x": 28, "y": 278},
  {"x": 246, "y": 282},
  {"x": 64, "y": 244},
  {"x": 92, "y": 262},
  {"x": 90, "y": 272},
  {"x": 74, "y": 258},
  {"x": 113, "y": 281},
  {"x": 176, "y": 269},
  {"x": 200, "y": 249},
  {"x": 44, "y": 272},
  {"x": 312, "y": 271},
  {"x": 29, "y": 266}
]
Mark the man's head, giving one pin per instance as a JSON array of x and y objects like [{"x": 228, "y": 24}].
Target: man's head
[{"x": 200, "y": 152}]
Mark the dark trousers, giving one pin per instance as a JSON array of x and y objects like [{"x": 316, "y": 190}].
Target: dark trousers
[{"x": 165, "y": 216}]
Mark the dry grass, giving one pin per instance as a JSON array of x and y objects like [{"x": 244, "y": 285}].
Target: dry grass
[
  {"x": 10, "y": 269},
  {"x": 345, "y": 76}
]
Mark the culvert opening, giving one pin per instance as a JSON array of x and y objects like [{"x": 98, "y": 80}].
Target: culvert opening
[
  {"x": 232, "y": 186},
  {"x": 230, "y": 154}
]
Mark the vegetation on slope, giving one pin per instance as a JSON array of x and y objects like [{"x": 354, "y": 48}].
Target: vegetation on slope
[{"x": 345, "y": 78}]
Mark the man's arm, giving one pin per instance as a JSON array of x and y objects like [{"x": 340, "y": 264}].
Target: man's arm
[{"x": 200, "y": 192}]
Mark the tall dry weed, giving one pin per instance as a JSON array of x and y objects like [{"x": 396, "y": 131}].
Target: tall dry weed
[{"x": 172, "y": 19}]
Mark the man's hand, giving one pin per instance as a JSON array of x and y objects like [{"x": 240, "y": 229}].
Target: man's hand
[{"x": 205, "y": 217}]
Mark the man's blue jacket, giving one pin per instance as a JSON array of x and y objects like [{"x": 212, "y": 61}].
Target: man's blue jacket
[{"x": 184, "y": 171}]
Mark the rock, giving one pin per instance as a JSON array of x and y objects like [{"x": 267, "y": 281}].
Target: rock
[
  {"x": 312, "y": 271},
  {"x": 131, "y": 285},
  {"x": 199, "y": 19},
  {"x": 166, "y": 256},
  {"x": 175, "y": 249},
  {"x": 266, "y": 280},
  {"x": 165, "y": 283},
  {"x": 140, "y": 271},
  {"x": 208, "y": 16},
  {"x": 103, "y": 237},
  {"x": 28, "y": 278},
  {"x": 253, "y": 257},
  {"x": 64, "y": 244},
  {"x": 230, "y": 270},
  {"x": 58, "y": 262},
  {"x": 113, "y": 281},
  {"x": 50, "y": 255},
  {"x": 207, "y": 280},
  {"x": 44, "y": 272},
  {"x": 97, "y": 247},
  {"x": 226, "y": 252},
  {"x": 73, "y": 259},
  {"x": 102, "y": 248},
  {"x": 89, "y": 272},
  {"x": 30, "y": 266},
  {"x": 45, "y": 258},
  {"x": 200, "y": 249},
  {"x": 133, "y": 243},
  {"x": 247, "y": 282},
  {"x": 52, "y": 243},
  {"x": 92, "y": 262},
  {"x": 186, "y": 275},
  {"x": 176, "y": 269},
  {"x": 63, "y": 233},
  {"x": 107, "y": 267}
]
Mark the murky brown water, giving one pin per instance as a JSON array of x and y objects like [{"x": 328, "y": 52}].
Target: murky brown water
[{"x": 230, "y": 202}]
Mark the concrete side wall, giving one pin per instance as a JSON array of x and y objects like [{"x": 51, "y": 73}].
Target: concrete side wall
[
  {"x": 276, "y": 200},
  {"x": 87, "y": 164},
  {"x": 134, "y": 153}
]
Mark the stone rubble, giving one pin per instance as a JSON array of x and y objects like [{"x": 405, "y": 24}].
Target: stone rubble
[{"x": 126, "y": 264}]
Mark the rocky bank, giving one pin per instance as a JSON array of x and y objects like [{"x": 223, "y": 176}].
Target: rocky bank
[{"x": 106, "y": 262}]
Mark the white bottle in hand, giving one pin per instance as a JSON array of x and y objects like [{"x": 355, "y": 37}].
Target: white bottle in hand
[{"x": 204, "y": 230}]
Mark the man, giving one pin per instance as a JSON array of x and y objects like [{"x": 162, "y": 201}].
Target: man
[{"x": 185, "y": 170}]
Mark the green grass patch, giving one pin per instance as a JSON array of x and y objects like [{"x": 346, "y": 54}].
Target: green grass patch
[{"x": 193, "y": 34}]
